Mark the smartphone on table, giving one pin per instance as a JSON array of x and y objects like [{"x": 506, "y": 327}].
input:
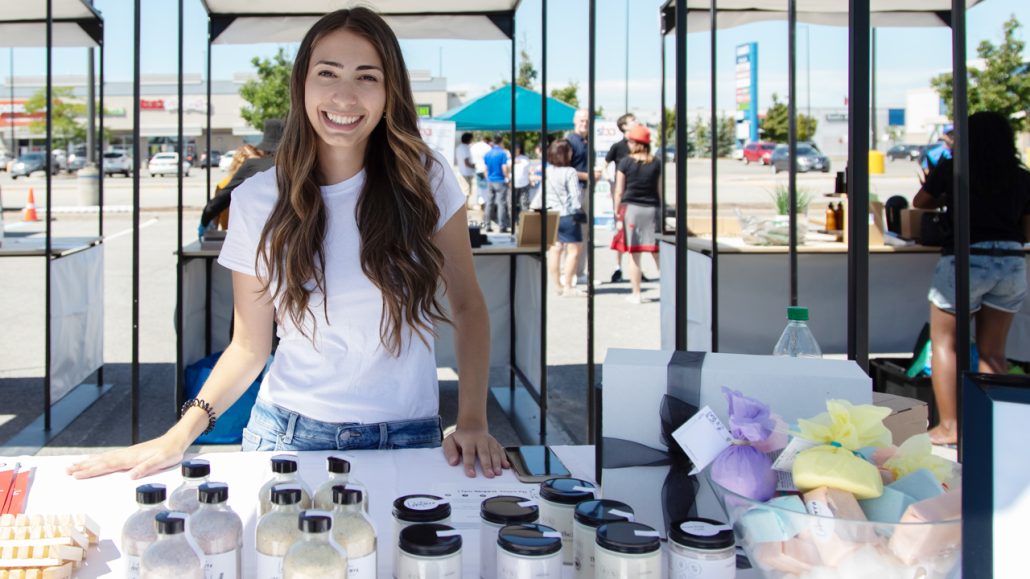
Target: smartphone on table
[{"x": 534, "y": 464}]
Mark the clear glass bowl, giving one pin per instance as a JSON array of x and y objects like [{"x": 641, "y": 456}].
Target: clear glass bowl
[{"x": 823, "y": 548}]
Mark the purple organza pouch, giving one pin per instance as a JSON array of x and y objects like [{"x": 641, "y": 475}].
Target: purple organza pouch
[{"x": 742, "y": 468}]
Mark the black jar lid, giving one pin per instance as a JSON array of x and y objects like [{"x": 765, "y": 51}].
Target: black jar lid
[
  {"x": 170, "y": 522},
  {"x": 509, "y": 510},
  {"x": 196, "y": 468},
  {"x": 315, "y": 522},
  {"x": 347, "y": 495},
  {"x": 151, "y": 494},
  {"x": 567, "y": 491},
  {"x": 338, "y": 465},
  {"x": 213, "y": 493},
  {"x": 284, "y": 463},
  {"x": 629, "y": 538},
  {"x": 702, "y": 534},
  {"x": 529, "y": 540},
  {"x": 286, "y": 494},
  {"x": 596, "y": 512},
  {"x": 430, "y": 540},
  {"x": 421, "y": 508}
]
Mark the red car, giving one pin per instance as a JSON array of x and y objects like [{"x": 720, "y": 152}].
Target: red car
[{"x": 759, "y": 152}]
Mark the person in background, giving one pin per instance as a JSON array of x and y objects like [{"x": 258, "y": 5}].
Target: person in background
[
  {"x": 466, "y": 168},
  {"x": 520, "y": 181},
  {"x": 999, "y": 220},
  {"x": 578, "y": 139},
  {"x": 617, "y": 153},
  {"x": 636, "y": 204},
  {"x": 270, "y": 138},
  {"x": 562, "y": 194},
  {"x": 479, "y": 149},
  {"x": 937, "y": 152},
  {"x": 498, "y": 176},
  {"x": 242, "y": 154}
]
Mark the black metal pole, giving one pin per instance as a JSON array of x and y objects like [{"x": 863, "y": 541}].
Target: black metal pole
[
  {"x": 543, "y": 222},
  {"x": 91, "y": 108},
  {"x": 858, "y": 183},
  {"x": 514, "y": 87},
  {"x": 625, "y": 95},
  {"x": 872, "y": 92},
  {"x": 14, "y": 142},
  {"x": 207, "y": 113},
  {"x": 593, "y": 420},
  {"x": 662, "y": 124},
  {"x": 49, "y": 200},
  {"x": 681, "y": 175},
  {"x": 100, "y": 140},
  {"x": 513, "y": 264},
  {"x": 960, "y": 211},
  {"x": 792, "y": 147},
  {"x": 134, "y": 396},
  {"x": 715, "y": 185},
  {"x": 180, "y": 315}
]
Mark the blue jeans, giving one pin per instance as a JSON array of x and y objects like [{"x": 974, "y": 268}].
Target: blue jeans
[
  {"x": 274, "y": 428},
  {"x": 497, "y": 204},
  {"x": 995, "y": 282}
]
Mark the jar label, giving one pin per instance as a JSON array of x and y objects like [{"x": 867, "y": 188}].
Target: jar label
[
  {"x": 221, "y": 566},
  {"x": 685, "y": 567},
  {"x": 362, "y": 567},
  {"x": 422, "y": 503},
  {"x": 269, "y": 566},
  {"x": 131, "y": 567},
  {"x": 703, "y": 529}
]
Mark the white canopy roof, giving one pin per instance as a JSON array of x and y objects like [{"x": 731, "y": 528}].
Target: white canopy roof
[
  {"x": 23, "y": 23},
  {"x": 256, "y": 21}
]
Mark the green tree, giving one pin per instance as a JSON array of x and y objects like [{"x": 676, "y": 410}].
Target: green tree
[
  {"x": 567, "y": 94},
  {"x": 269, "y": 94},
  {"x": 527, "y": 72},
  {"x": 1002, "y": 85},
  {"x": 774, "y": 125},
  {"x": 670, "y": 126},
  {"x": 702, "y": 136},
  {"x": 64, "y": 116}
]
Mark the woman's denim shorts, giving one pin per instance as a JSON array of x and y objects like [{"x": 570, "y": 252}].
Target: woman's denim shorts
[
  {"x": 996, "y": 282},
  {"x": 274, "y": 428}
]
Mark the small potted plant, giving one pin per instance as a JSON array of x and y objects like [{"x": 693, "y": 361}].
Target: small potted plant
[{"x": 775, "y": 229}]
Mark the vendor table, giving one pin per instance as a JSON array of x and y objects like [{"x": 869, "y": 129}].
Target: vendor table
[
  {"x": 508, "y": 275},
  {"x": 753, "y": 295}
]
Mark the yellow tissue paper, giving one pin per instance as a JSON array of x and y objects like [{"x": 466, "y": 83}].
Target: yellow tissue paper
[
  {"x": 853, "y": 427},
  {"x": 837, "y": 468},
  {"x": 916, "y": 453}
]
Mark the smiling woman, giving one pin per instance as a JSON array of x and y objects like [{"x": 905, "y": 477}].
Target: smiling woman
[{"x": 344, "y": 244}]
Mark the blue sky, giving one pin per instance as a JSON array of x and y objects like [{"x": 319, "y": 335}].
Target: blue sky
[{"x": 907, "y": 57}]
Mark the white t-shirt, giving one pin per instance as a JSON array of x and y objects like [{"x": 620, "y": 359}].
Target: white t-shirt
[
  {"x": 479, "y": 149},
  {"x": 461, "y": 153},
  {"x": 521, "y": 172},
  {"x": 347, "y": 376}
]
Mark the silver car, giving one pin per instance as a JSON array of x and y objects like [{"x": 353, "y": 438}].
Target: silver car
[
  {"x": 117, "y": 162},
  {"x": 167, "y": 164}
]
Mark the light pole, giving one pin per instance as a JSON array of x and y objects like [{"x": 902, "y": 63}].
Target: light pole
[{"x": 625, "y": 103}]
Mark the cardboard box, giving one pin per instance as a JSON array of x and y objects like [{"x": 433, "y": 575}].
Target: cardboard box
[
  {"x": 877, "y": 224},
  {"x": 908, "y": 417},
  {"x": 911, "y": 222},
  {"x": 527, "y": 232}
]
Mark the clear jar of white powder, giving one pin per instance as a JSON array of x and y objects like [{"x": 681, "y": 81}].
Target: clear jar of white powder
[
  {"x": 284, "y": 470},
  {"x": 428, "y": 551},
  {"x": 353, "y": 530},
  {"x": 218, "y": 531},
  {"x": 558, "y": 500},
  {"x": 195, "y": 472},
  {"x": 315, "y": 555},
  {"x": 628, "y": 551},
  {"x": 528, "y": 552},
  {"x": 139, "y": 532},
  {"x": 277, "y": 531},
  {"x": 339, "y": 474},
  {"x": 173, "y": 555},
  {"x": 701, "y": 548},
  {"x": 496, "y": 513},
  {"x": 589, "y": 516}
]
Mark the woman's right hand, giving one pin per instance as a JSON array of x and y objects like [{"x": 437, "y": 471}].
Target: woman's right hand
[{"x": 140, "y": 460}]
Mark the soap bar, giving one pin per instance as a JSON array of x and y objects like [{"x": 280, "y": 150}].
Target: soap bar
[
  {"x": 796, "y": 556},
  {"x": 836, "y": 540},
  {"x": 768, "y": 525},
  {"x": 828, "y": 466},
  {"x": 923, "y": 542},
  {"x": 919, "y": 485},
  {"x": 888, "y": 507}
]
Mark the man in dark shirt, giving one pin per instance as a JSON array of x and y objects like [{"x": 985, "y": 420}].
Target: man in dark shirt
[
  {"x": 618, "y": 152},
  {"x": 577, "y": 138}
]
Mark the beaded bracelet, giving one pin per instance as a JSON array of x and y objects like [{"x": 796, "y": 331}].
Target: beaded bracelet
[{"x": 203, "y": 405}]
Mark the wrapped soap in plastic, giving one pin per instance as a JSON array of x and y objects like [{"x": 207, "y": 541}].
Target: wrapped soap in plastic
[
  {"x": 795, "y": 556},
  {"x": 742, "y": 468},
  {"x": 917, "y": 453},
  {"x": 836, "y": 467},
  {"x": 835, "y": 542},
  {"x": 912, "y": 543},
  {"x": 768, "y": 525}
]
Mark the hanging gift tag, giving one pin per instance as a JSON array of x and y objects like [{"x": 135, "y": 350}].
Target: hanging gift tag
[
  {"x": 703, "y": 437},
  {"x": 785, "y": 462},
  {"x": 785, "y": 482}
]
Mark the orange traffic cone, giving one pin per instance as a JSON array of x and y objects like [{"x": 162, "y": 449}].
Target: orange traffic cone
[{"x": 29, "y": 213}]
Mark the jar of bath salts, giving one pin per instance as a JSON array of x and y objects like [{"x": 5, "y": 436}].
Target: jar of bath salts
[
  {"x": 339, "y": 474},
  {"x": 277, "y": 530},
  {"x": 353, "y": 530},
  {"x": 428, "y": 551},
  {"x": 701, "y": 548},
  {"x": 284, "y": 470},
  {"x": 528, "y": 552},
  {"x": 173, "y": 555},
  {"x": 195, "y": 472},
  {"x": 218, "y": 531},
  {"x": 628, "y": 551},
  {"x": 588, "y": 517},
  {"x": 558, "y": 500},
  {"x": 496, "y": 513},
  {"x": 315, "y": 556},
  {"x": 415, "y": 509},
  {"x": 139, "y": 532}
]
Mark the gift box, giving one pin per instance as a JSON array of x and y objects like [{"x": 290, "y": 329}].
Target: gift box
[{"x": 648, "y": 394}]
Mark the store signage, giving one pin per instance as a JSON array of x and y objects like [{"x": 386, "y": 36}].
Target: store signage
[
  {"x": 424, "y": 111},
  {"x": 152, "y": 104},
  {"x": 747, "y": 88},
  {"x": 836, "y": 117},
  {"x": 196, "y": 104}
]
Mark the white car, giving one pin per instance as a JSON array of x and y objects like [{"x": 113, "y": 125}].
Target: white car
[
  {"x": 226, "y": 160},
  {"x": 166, "y": 164}
]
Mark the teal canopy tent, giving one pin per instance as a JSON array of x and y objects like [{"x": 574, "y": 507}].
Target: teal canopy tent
[{"x": 492, "y": 112}]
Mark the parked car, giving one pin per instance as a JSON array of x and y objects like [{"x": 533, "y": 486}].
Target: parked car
[
  {"x": 226, "y": 161},
  {"x": 809, "y": 159},
  {"x": 758, "y": 152},
  {"x": 163, "y": 164},
  {"x": 30, "y": 163},
  {"x": 906, "y": 152},
  {"x": 77, "y": 159},
  {"x": 206, "y": 160},
  {"x": 117, "y": 162}
]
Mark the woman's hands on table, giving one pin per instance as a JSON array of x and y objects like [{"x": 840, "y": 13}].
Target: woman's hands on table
[
  {"x": 143, "y": 459},
  {"x": 464, "y": 445}
]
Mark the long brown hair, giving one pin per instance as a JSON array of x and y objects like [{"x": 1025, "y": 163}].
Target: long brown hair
[{"x": 396, "y": 211}]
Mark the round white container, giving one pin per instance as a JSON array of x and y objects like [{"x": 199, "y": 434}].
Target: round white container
[
  {"x": 701, "y": 548},
  {"x": 558, "y": 500},
  {"x": 628, "y": 551},
  {"x": 588, "y": 517},
  {"x": 417, "y": 509},
  {"x": 496, "y": 513},
  {"x": 428, "y": 551},
  {"x": 528, "y": 552}
]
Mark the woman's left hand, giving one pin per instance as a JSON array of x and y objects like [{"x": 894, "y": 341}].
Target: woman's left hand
[{"x": 466, "y": 444}]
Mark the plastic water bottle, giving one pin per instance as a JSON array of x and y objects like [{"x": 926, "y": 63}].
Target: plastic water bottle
[{"x": 797, "y": 340}]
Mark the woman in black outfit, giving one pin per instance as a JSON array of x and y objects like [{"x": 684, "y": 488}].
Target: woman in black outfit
[
  {"x": 636, "y": 204},
  {"x": 999, "y": 220}
]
